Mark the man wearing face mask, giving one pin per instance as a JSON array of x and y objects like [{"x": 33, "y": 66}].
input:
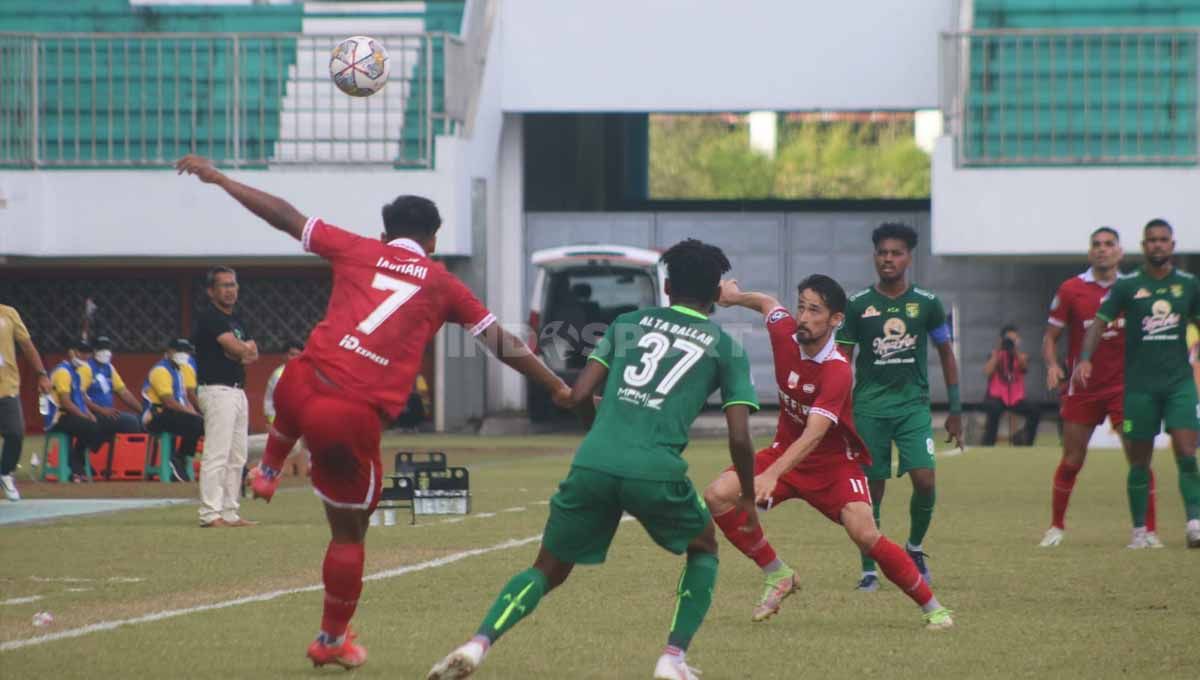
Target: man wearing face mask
[
  {"x": 167, "y": 407},
  {"x": 107, "y": 382},
  {"x": 70, "y": 410}
]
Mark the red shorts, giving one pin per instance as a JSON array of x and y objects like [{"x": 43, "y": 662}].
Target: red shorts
[
  {"x": 827, "y": 488},
  {"x": 1089, "y": 409},
  {"x": 341, "y": 433}
]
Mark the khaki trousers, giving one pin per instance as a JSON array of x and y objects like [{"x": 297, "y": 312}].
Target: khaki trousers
[{"x": 226, "y": 429}]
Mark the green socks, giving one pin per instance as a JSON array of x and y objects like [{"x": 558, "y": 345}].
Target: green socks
[
  {"x": 868, "y": 564},
  {"x": 1189, "y": 485},
  {"x": 1138, "y": 486},
  {"x": 518, "y": 599},
  {"x": 920, "y": 512},
  {"x": 693, "y": 597}
]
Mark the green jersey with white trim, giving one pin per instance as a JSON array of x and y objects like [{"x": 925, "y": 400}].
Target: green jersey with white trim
[
  {"x": 891, "y": 374},
  {"x": 1157, "y": 312},
  {"x": 663, "y": 362}
]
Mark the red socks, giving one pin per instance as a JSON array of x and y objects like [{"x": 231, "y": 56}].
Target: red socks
[
  {"x": 898, "y": 567},
  {"x": 342, "y": 574},
  {"x": 753, "y": 545},
  {"x": 1064, "y": 483}
]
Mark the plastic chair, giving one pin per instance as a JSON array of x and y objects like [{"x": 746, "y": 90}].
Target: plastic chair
[
  {"x": 60, "y": 469},
  {"x": 159, "y": 452}
]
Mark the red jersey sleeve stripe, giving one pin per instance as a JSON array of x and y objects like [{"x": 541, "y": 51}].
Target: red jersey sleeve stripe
[
  {"x": 1056, "y": 323},
  {"x": 306, "y": 235},
  {"x": 483, "y": 324},
  {"x": 823, "y": 412}
]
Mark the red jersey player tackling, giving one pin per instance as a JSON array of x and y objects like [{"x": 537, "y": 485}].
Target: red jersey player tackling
[
  {"x": 1082, "y": 409},
  {"x": 389, "y": 299},
  {"x": 817, "y": 455}
]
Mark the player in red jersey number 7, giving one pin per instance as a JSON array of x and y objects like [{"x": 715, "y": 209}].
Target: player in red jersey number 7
[
  {"x": 816, "y": 454},
  {"x": 388, "y": 300}
]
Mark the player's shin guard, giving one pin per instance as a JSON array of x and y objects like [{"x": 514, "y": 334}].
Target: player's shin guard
[
  {"x": 920, "y": 512},
  {"x": 1064, "y": 484},
  {"x": 1138, "y": 486},
  {"x": 518, "y": 600},
  {"x": 692, "y": 598},
  {"x": 753, "y": 545},
  {"x": 278, "y": 448},
  {"x": 898, "y": 567},
  {"x": 342, "y": 574},
  {"x": 1189, "y": 485},
  {"x": 868, "y": 564}
]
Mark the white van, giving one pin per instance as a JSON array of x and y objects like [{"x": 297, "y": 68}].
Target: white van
[{"x": 577, "y": 292}]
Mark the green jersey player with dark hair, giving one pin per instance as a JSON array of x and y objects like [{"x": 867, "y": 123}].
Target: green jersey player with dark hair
[
  {"x": 658, "y": 367},
  {"x": 890, "y": 323},
  {"x": 1159, "y": 301}
]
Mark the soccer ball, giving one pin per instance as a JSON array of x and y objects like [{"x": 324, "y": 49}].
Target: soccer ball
[{"x": 359, "y": 66}]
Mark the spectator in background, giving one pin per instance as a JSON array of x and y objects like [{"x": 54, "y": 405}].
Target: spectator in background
[
  {"x": 167, "y": 406},
  {"x": 1006, "y": 369},
  {"x": 14, "y": 334},
  {"x": 293, "y": 350},
  {"x": 106, "y": 382},
  {"x": 70, "y": 410},
  {"x": 223, "y": 349}
]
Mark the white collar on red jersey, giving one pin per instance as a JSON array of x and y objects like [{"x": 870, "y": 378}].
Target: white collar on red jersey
[
  {"x": 1090, "y": 277},
  {"x": 408, "y": 244},
  {"x": 829, "y": 351}
]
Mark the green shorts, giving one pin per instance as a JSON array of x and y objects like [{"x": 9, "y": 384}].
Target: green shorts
[
  {"x": 913, "y": 434},
  {"x": 585, "y": 512},
  {"x": 1145, "y": 412}
]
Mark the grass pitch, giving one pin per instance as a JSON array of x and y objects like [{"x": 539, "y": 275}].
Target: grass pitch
[{"x": 1087, "y": 609}]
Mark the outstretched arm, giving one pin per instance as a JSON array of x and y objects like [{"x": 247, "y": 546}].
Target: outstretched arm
[
  {"x": 513, "y": 353},
  {"x": 274, "y": 210},
  {"x": 733, "y": 296}
]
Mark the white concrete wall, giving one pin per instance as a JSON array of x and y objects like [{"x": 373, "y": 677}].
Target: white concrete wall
[
  {"x": 706, "y": 55},
  {"x": 83, "y": 213},
  {"x": 1050, "y": 211}
]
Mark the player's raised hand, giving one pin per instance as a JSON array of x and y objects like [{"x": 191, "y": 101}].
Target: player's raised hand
[
  {"x": 1054, "y": 376},
  {"x": 1083, "y": 373},
  {"x": 199, "y": 166},
  {"x": 729, "y": 293}
]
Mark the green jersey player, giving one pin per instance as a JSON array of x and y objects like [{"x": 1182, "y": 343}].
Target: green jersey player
[
  {"x": 1159, "y": 302},
  {"x": 658, "y": 367},
  {"x": 890, "y": 324}
]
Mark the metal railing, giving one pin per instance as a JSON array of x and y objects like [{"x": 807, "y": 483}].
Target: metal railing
[
  {"x": 1072, "y": 96},
  {"x": 243, "y": 99}
]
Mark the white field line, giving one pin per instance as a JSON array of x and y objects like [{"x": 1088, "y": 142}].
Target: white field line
[
  {"x": 22, "y": 600},
  {"x": 10, "y": 645}
]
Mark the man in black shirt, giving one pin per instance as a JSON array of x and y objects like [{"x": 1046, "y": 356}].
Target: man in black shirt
[{"x": 223, "y": 349}]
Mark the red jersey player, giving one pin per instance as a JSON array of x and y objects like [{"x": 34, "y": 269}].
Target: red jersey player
[
  {"x": 816, "y": 455},
  {"x": 388, "y": 300},
  {"x": 1082, "y": 409}
]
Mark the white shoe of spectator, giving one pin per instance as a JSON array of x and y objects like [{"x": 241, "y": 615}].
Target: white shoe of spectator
[{"x": 10, "y": 488}]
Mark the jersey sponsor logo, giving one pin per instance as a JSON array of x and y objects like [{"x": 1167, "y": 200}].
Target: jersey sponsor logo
[
  {"x": 870, "y": 312},
  {"x": 776, "y": 315},
  {"x": 793, "y": 380},
  {"x": 1177, "y": 290},
  {"x": 405, "y": 267},
  {"x": 1160, "y": 321},
  {"x": 912, "y": 309},
  {"x": 353, "y": 344},
  {"x": 809, "y": 388},
  {"x": 1141, "y": 294},
  {"x": 895, "y": 340},
  {"x": 637, "y": 397}
]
